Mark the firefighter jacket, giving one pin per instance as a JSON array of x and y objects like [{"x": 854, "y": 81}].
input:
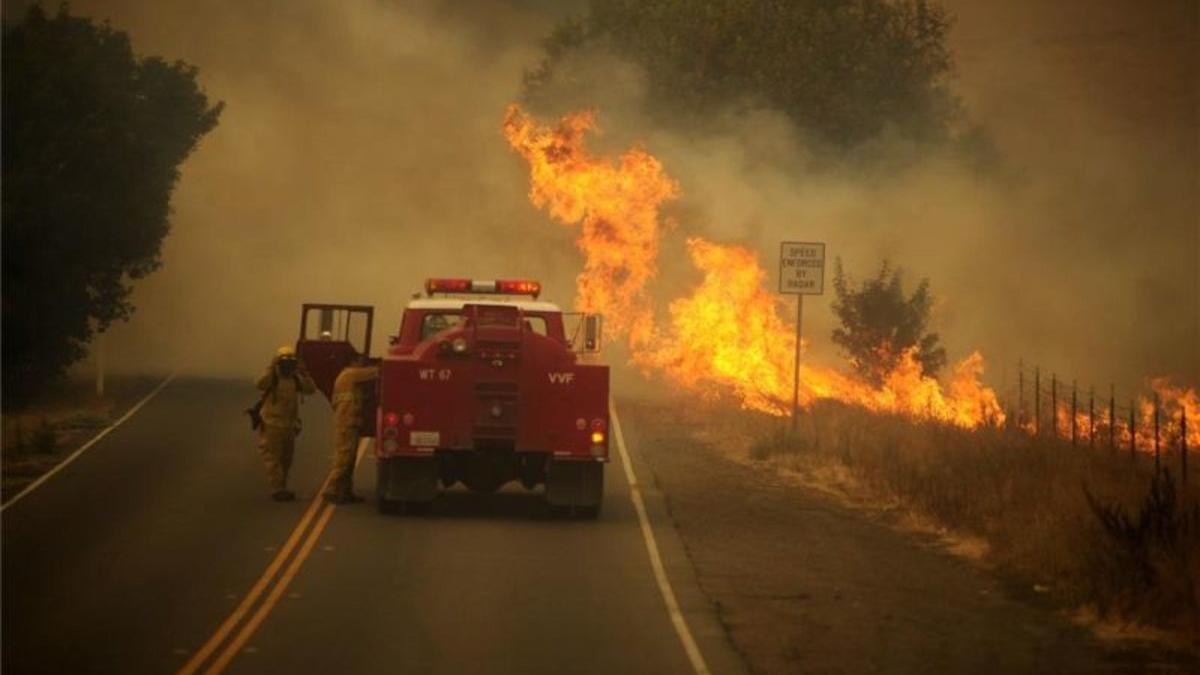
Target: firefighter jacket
[
  {"x": 348, "y": 395},
  {"x": 281, "y": 404}
]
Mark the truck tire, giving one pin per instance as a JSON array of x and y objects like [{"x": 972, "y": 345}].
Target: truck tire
[{"x": 406, "y": 484}]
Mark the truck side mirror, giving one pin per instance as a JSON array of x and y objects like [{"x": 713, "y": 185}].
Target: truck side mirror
[{"x": 591, "y": 333}]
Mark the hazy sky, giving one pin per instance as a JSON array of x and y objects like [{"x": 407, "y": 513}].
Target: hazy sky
[{"x": 359, "y": 153}]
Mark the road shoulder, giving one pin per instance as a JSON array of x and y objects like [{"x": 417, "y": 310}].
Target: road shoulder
[
  {"x": 803, "y": 583},
  {"x": 698, "y": 609}
]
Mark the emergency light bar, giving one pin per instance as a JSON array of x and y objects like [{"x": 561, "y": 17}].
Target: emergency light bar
[{"x": 498, "y": 287}]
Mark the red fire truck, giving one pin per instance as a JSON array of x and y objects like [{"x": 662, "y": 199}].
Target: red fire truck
[{"x": 483, "y": 385}]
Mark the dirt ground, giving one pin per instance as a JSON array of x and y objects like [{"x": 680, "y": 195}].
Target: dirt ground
[{"x": 805, "y": 583}]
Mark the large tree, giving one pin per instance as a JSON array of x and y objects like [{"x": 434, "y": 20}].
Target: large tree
[
  {"x": 845, "y": 71},
  {"x": 93, "y": 139},
  {"x": 880, "y": 322}
]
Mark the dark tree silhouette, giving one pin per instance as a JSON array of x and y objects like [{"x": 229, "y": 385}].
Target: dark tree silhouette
[
  {"x": 93, "y": 140},
  {"x": 845, "y": 71},
  {"x": 879, "y": 323}
]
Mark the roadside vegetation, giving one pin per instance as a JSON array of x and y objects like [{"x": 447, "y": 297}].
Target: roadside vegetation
[
  {"x": 1097, "y": 530},
  {"x": 94, "y": 136},
  {"x": 879, "y": 322},
  {"x": 847, "y": 73},
  {"x": 66, "y": 414}
]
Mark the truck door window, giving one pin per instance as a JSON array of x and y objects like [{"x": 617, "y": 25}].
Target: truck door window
[
  {"x": 535, "y": 324},
  {"x": 435, "y": 323},
  {"x": 329, "y": 323}
]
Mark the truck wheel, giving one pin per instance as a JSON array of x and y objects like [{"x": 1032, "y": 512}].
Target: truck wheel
[{"x": 406, "y": 480}]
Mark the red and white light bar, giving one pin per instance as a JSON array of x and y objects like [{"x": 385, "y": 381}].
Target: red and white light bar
[{"x": 497, "y": 287}]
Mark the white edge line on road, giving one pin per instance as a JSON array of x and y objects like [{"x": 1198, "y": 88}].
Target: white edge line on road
[
  {"x": 660, "y": 573},
  {"x": 95, "y": 439}
]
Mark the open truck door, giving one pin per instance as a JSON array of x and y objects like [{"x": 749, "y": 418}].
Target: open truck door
[{"x": 331, "y": 336}]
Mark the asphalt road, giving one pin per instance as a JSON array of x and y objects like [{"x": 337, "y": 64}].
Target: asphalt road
[{"x": 132, "y": 557}]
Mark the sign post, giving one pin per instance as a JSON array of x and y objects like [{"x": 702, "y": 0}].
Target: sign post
[{"x": 801, "y": 273}]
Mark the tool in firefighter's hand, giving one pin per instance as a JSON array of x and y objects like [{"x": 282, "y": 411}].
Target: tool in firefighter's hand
[{"x": 255, "y": 413}]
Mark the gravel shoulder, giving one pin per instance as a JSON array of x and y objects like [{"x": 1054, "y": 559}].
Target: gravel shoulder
[{"x": 804, "y": 583}]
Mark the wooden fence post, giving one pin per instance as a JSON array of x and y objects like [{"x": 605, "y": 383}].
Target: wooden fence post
[
  {"x": 1054, "y": 405},
  {"x": 1183, "y": 470},
  {"x": 1132, "y": 428},
  {"x": 1092, "y": 416},
  {"x": 1156, "y": 460},
  {"x": 1020, "y": 394},
  {"x": 1037, "y": 401},
  {"x": 1074, "y": 397},
  {"x": 1112, "y": 416}
]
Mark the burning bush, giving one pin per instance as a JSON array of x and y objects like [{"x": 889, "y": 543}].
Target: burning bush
[{"x": 880, "y": 323}]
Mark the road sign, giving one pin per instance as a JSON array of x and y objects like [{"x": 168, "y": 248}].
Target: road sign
[
  {"x": 801, "y": 273},
  {"x": 801, "y": 268}
]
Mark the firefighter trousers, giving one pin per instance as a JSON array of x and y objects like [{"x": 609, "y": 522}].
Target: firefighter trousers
[
  {"x": 345, "y": 454},
  {"x": 276, "y": 445}
]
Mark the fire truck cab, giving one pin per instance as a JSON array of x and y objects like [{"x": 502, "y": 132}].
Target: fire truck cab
[{"x": 482, "y": 385}]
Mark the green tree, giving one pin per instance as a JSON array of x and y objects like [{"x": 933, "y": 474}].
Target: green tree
[
  {"x": 879, "y": 323},
  {"x": 93, "y": 140},
  {"x": 845, "y": 71}
]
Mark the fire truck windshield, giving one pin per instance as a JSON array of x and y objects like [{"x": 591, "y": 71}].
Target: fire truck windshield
[{"x": 438, "y": 322}]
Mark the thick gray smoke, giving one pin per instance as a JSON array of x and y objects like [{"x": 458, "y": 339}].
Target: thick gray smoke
[{"x": 360, "y": 153}]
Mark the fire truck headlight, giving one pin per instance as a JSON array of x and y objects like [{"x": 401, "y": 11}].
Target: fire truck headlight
[
  {"x": 459, "y": 345},
  {"x": 391, "y": 445},
  {"x": 597, "y": 437}
]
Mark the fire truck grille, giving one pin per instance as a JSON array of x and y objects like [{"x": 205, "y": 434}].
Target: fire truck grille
[{"x": 495, "y": 411}]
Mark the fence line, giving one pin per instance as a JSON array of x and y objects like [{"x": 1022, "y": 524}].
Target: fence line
[{"x": 1148, "y": 424}]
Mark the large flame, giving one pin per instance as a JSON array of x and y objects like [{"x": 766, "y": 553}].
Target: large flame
[
  {"x": 1146, "y": 426},
  {"x": 616, "y": 204},
  {"x": 728, "y": 335}
]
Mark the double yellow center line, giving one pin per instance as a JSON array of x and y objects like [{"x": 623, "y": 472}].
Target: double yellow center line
[{"x": 273, "y": 584}]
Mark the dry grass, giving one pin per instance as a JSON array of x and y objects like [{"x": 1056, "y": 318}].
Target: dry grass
[
  {"x": 1128, "y": 554},
  {"x": 36, "y": 437}
]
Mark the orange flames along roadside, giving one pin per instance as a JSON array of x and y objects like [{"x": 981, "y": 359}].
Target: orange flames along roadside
[{"x": 728, "y": 335}]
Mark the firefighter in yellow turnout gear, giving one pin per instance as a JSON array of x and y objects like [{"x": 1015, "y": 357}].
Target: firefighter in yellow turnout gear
[
  {"x": 283, "y": 384},
  {"x": 348, "y": 400}
]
